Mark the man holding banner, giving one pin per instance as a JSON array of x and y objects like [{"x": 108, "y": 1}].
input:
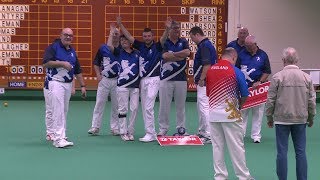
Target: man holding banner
[{"x": 255, "y": 65}]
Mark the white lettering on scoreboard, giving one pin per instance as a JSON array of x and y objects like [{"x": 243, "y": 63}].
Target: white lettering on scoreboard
[
  {"x": 12, "y": 16},
  {"x": 6, "y": 39},
  {"x": 206, "y": 19},
  {"x": 189, "y": 25},
  {"x": 14, "y": 47},
  {"x": 202, "y": 10},
  {"x": 7, "y": 31},
  {"x": 9, "y": 54},
  {"x": 5, "y": 61},
  {"x": 203, "y": 17},
  {"x": 14, "y": 8},
  {"x": 10, "y": 19}
]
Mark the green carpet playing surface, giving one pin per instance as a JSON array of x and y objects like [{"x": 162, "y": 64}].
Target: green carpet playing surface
[{"x": 26, "y": 155}]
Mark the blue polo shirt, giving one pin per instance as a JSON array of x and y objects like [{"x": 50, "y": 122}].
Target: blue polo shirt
[
  {"x": 253, "y": 66},
  {"x": 174, "y": 71},
  {"x": 107, "y": 61},
  {"x": 150, "y": 58},
  {"x": 57, "y": 52},
  {"x": 128, "y": 68},
  {"x": 206, "y": 54},
  {"x": 234, "y": 44}
]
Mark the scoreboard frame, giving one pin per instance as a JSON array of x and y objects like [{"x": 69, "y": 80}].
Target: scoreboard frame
[{"x": 27, "y": 27}]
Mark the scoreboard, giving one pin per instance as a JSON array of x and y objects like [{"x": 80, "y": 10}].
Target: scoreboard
[{"x": 27, "y": 27}]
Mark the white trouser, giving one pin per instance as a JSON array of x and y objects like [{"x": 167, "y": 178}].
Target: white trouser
[
  {"x": 257, "y": 116},
  {"x": 60, "y": 97},
  {"x": 124, "y": 95},
  {"x": 167, "y": 90},
  {"x": 149, "y": 87},
  {"x": 229, "y": 133},
  {"x": 105, "y": 87},
  {"x": 203, "y": 110},
  {"x": 48, "y": 116}
]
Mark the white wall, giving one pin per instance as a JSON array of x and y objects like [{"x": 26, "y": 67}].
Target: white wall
[{"x": 278, "y": 24}]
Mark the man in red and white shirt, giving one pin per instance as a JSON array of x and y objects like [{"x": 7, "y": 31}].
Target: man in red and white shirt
[{"x": 227, "y": 91}]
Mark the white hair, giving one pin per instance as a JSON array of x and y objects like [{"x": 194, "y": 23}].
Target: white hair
[{"x": 290, "y": 55}]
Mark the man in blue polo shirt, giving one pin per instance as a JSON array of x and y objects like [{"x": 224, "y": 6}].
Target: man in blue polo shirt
[
  {"x": 173, "y": 79},
  {"x": 150, "y": 52},
  {"x": 238, "y": 44},
  {"x": 62, "y": 63},
  {"x": 127, "y": 85},
  {"x": 106, "y": 68},
  {"x": 204, "y": 58},
  {"x": 255, "y": 65}
]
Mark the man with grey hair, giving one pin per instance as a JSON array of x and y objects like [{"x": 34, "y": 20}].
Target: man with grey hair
[
  {"x": 291, "y": 105},
  {"x": 238, "y": 44},
  {"x": 173, "y": 79},
  {"x": 255, "y": 65}
]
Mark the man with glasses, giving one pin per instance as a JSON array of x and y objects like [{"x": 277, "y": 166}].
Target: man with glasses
[
  {"x": 255, "y": 65},
  {"x": 62, "y": 63}
]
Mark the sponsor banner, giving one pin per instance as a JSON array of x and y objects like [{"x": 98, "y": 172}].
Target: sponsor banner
[
  {"x": 179, "y": 140},
  {"x": 35, "y": 84},
  {"x": 257, "y": 96},
  {"x": 17, "y": 84}
]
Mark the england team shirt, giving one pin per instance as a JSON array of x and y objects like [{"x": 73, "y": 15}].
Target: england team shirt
[
  {"x": 174, "y": 70},
  {"x": 57, "y": 52},
  {"x": 205, "y": 55},
  {"x": 107, "y": 61},
  {"x": 128, "y": 68},
  {"x": 150, "y": 58},
  {"x": 234, "y": 44},
  {"x": 253, "y": 66},
  {"x": 225, "y": 85}
]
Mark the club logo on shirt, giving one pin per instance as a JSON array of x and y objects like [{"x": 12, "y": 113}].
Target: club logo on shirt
[
  {"x": 142, "y": 65},
  {"x": 150, "y": 51},
  {"x": 233, "y": 110},
  {"x": 246, "y": 73},
  {"x": 71, "y": 54},
  {"x": 258, "y": 58},
  {"x": 168, "y": 66},
  {"x": 107, "y": 66},
  {"x": 180, "y": 44},
  {"x": 126, "y": 70}
]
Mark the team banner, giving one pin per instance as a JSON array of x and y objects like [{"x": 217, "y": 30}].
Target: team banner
[
  {"x": 179, "y": 140},
  {"x": 257, "y": 96}
]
